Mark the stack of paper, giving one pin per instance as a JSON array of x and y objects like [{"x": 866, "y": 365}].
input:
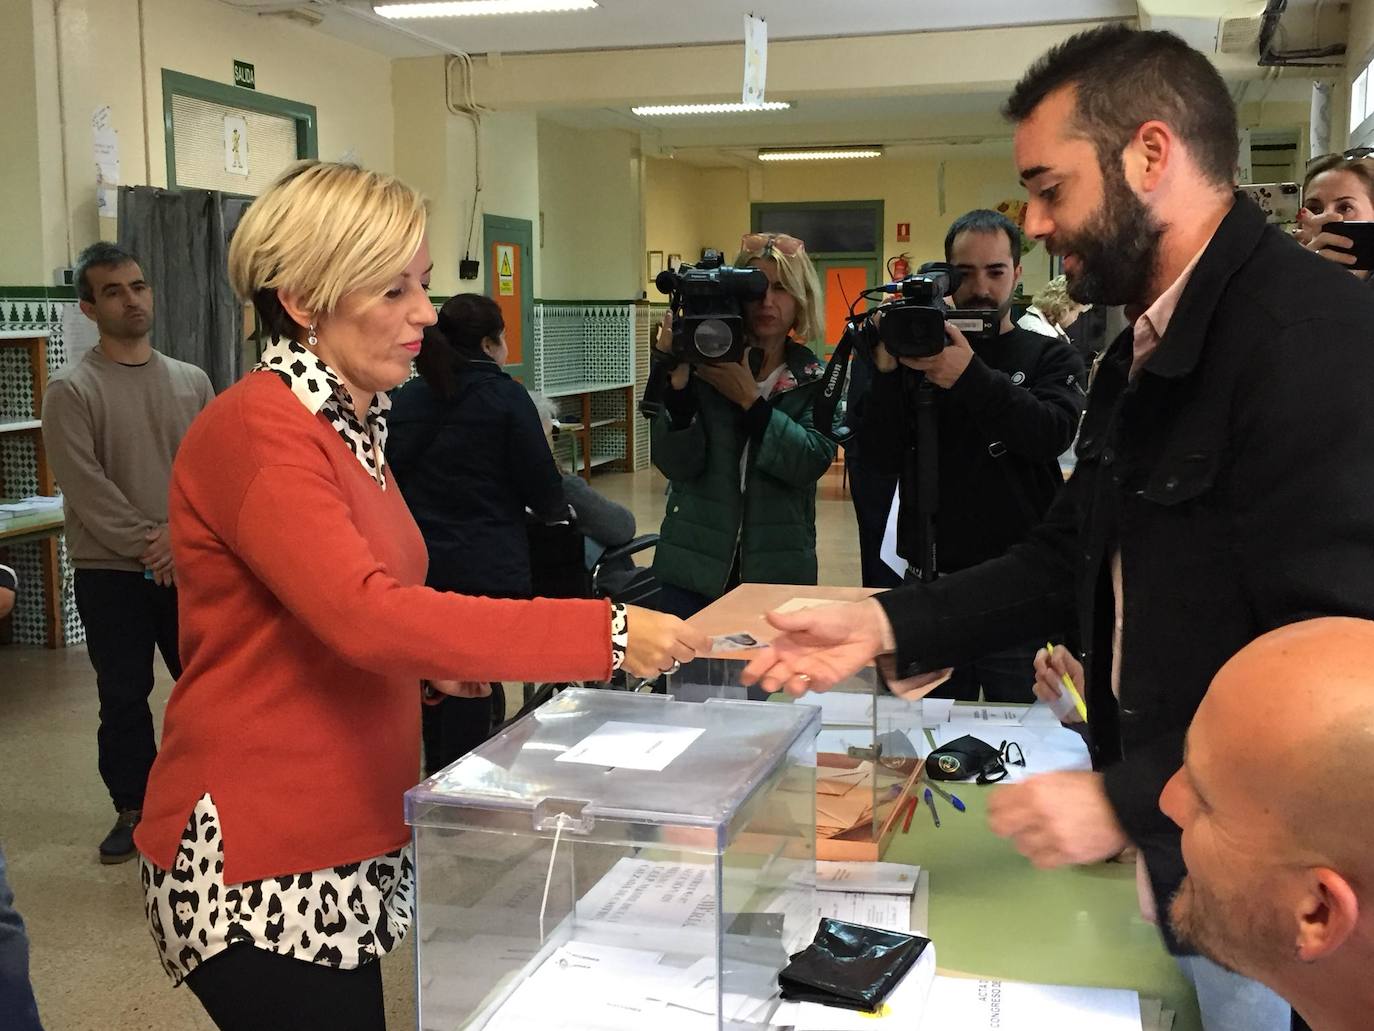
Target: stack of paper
[
  {"x": 985, "y": 1005},
  {"x": 844, "y": 798},
  {"x": 33, "y": 505},
  {"x": 876, "y": 878}
]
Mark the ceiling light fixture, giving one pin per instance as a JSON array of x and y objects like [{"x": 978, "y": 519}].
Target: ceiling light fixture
[
  {"x": 469, "y": 8},
  {"x": 654, "y": 110},
  {"x": 819, "y": 153}
]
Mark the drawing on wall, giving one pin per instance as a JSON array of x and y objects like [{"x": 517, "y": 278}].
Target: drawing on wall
[{"x": 236, "y": 145}]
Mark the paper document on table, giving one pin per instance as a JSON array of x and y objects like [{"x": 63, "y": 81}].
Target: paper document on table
[
  {"x": 590, "y": 987},
  {"x": 903, "y": 1007},
  {"x": 878, "y": 878},
  {"x": 632, "y": 746},
  {"x": 642, "y": 892},
  {"x": 986, "y": 714},
  {"x": 889, "y": 912},
  {"x": 801, "y": 604},
  {"x": 972, "y": 1004},
  {"x": 842, "y": 708},
  {"x": 1045, "y": 749}
]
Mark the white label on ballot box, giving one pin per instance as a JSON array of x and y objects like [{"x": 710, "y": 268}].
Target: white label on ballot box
[{"x": 632, "y": 746}]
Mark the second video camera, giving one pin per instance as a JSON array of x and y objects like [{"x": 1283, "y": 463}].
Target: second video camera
[
  {"x": 913, "y": 326},
  {"x": 707, "y": 300}
]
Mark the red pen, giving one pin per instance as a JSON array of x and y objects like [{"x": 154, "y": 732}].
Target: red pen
[{"x": 910, "y": 812}]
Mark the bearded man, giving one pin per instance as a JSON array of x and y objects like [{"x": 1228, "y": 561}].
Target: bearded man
[{"x": 1224, "y": 484}]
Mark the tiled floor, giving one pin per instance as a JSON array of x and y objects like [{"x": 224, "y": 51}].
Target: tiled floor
[{"x": 93, "y": 962}]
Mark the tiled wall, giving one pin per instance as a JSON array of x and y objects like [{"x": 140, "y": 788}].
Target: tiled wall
[{"x": 24, "y": 308}]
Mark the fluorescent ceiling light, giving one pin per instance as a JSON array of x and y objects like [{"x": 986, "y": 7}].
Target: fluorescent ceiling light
[
  {"x": 710, "y": 109},
  {"x": 819, "y": 153},
  {"x": 464, "y": 8}
]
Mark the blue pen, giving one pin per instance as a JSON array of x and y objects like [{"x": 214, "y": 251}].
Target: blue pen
[
  {"x": 951, "y": 799},
  {"x": 930, "y": 801}
]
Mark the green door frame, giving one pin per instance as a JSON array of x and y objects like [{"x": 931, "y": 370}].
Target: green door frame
[
  {"x": 180, "y": 84},
  {"x": 519, "y": 231}
]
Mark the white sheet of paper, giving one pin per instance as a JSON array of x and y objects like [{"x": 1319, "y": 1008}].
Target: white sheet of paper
[
  {"x": 903, "y": 1008},
  {"x": 842, "y": 708},
  {"x": 1046, "y": 748},
  {"x": 641, "y": 892},
  {"x": 935, "y": 711},
  {"x": 887, "y": 551},
  {"x": 801, "y": 604},
  {"x": 975, "y": 1005},
  {"x": 632, "y": 746},
  {"x": 877, "y": 878},
  {"x": 889, "y": 912}
]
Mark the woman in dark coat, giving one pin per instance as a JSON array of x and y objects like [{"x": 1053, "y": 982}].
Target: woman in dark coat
[{"x": 467, "y": 447}]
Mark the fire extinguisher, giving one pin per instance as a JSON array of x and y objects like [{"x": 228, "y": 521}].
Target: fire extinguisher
[{"x": 899, "y": 268}]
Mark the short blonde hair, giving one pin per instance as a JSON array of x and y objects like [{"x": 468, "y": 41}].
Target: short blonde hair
[
  {"x": 798, "y": 278},
  {"x": 322, "y": 230},
  {"x": 1053, "y": 300}
]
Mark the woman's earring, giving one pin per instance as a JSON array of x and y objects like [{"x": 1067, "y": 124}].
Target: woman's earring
[{"x": 311, "y": 339}]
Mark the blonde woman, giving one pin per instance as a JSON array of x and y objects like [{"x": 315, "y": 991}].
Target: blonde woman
[
  {"x": 739, "y": 448},
  {"x": 275, "y": 861},
  {"x": 1054, "y": 311}
]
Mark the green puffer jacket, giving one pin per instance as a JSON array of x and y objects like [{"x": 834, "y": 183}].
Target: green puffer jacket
[{"x": 772, "y": 522}]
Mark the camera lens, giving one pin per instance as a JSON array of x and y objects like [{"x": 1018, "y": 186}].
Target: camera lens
[{"x": 712, "y": 338}]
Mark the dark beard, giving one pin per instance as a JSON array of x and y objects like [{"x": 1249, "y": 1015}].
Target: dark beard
[{"x": 1117, "y": 248}]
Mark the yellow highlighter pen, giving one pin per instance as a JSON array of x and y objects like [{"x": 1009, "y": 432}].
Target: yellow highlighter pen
[{"x": 1067, "y": 681}]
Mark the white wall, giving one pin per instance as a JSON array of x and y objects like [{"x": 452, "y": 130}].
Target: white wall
[
  {"x": 590, "y": 193},
  {"x": 100, "y": 53}
]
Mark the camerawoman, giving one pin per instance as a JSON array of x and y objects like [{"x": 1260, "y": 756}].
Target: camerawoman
[{"x": 733, "y": 430}]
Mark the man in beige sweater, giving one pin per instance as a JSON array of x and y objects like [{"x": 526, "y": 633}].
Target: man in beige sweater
[{"x": 112, "y": 423}]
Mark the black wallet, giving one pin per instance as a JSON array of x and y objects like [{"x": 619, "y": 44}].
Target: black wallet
[{"x": 850, "y": 966}]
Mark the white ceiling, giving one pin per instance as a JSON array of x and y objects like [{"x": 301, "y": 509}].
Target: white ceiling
[{"x": 618, "y": 24}]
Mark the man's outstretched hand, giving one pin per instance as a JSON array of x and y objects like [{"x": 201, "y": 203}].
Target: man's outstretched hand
[{"x": 817, "y": 648}]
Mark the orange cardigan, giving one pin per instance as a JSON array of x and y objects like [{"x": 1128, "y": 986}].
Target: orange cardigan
[{"x": 305, "y": 629}]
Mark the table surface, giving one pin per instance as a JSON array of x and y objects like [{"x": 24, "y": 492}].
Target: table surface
[{"x": 992, "y": 914}]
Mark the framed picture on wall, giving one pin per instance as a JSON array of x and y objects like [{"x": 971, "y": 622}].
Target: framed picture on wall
[
  {"x": 655, "y": 263},
  {"x": 674, "y": 260}
]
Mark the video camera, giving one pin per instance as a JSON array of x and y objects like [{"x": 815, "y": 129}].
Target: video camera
[
  {"x": 707, "y": 300},
  {"x": 914, "y": 325}
]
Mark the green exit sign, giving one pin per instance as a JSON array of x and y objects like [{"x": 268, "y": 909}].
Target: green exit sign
[{"x": 244, "y": 75}]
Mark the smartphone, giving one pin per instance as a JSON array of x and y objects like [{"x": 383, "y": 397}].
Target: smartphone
[
  {"x": 1279, "y": 201},
  {"x": 1361, "y": 234}
]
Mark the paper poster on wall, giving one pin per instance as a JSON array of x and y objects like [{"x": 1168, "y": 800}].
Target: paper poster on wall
[
  {"x": 106, "y": 151},
  {"x": 236, "y": 145},
  {"x": 505, "y": 269}
]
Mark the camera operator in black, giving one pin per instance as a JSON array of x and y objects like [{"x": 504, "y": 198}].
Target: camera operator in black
[{"x": 1007, "y": 408}]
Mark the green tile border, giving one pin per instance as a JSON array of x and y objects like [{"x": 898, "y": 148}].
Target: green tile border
[{"x": 32, "y": 293}]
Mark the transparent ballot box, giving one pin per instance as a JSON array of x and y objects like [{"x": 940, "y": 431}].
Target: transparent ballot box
[
  {"x": 617, "y": 861},
  {"x": 869, "y": 752}
]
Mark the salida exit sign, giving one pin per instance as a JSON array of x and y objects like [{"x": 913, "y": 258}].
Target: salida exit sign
[{"x": 244, "y": 75}]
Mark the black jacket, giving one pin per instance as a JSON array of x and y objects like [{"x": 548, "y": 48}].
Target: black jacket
[
  {"x": 1235, "y": 475},
  {"x": 468, "y": 468},
  {"x": 1002, "y": 427}
]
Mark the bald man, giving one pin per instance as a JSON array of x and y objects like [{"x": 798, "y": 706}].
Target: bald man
[{"x": 1276, "y": 802}]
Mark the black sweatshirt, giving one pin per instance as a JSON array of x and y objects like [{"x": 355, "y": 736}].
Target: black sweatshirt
[{"x": 1002, "y": 427}]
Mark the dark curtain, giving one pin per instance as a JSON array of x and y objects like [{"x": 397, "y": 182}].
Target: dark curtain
[{"x": 181, "y": 242}]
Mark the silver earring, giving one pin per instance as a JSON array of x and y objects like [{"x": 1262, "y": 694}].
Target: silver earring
[{"x": 311, "y": 339}]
